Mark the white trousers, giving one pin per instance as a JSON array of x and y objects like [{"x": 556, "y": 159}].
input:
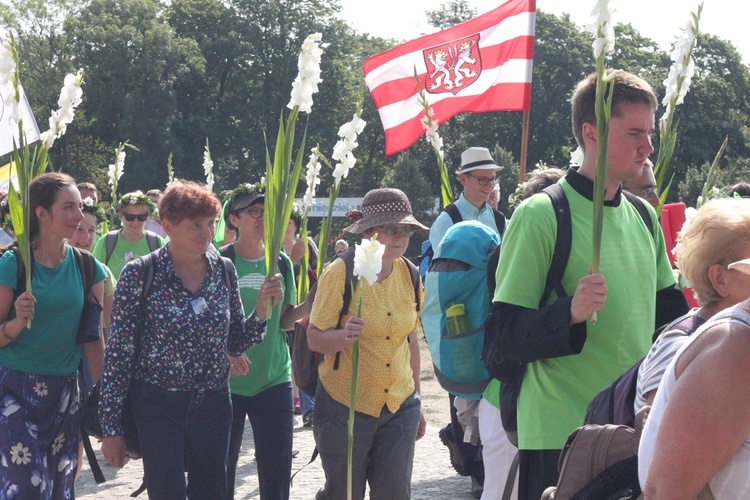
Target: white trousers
[{"x": 497, "y": 452}]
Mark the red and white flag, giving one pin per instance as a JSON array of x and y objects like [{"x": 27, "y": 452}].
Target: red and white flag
[{"x": 480, "y": 65}]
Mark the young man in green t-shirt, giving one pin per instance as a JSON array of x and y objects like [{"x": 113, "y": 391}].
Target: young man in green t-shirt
[{"x": 570, "y": 359}]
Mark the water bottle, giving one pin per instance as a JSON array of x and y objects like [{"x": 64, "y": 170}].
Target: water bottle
[{"x": 456, "y": 322}]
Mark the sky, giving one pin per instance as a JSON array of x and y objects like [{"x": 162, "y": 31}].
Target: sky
[{"x": 659, "y": 20}]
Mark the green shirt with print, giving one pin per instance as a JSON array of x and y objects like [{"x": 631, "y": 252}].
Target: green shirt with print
[{"x": 270, "y": 361}]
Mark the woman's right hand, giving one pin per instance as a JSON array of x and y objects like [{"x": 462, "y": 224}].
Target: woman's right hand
[
  {"x": 113, "y": 449},
  {"x": 352, "y": 330},
  {"x": 24, "y": 306}
]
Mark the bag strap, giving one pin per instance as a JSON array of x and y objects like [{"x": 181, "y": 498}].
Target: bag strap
[
  {"x": 414, "y": 274},
  {"x": 87, "y": 267},
  {"x": 563, "y": 241},
  {"x": 454, "y": 213},
  {"x": 152, "y": 240},
  {"x": 96, "y": 470},
  {"x": 510, "y": 482},
  {"x": 640, "y": 207},
  {"x": 499, "y": 221},
  {"x": 110, "y": 240}
]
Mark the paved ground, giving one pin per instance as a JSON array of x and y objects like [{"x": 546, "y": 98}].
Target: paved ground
[{"x": 433, "y": 477}]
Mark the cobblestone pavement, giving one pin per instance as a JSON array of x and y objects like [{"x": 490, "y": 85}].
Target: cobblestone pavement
[{"x": 433, "y": 477}]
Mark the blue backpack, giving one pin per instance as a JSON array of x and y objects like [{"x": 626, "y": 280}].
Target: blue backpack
[
  {"x": 428, "y": 252},
  {"x": 458, "y": 274}
]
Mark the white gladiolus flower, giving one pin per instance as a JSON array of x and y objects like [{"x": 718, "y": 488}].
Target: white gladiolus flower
[
  {"x": 368, "y": 259},
  {"x": 208, "y": 168},
  {"x": 342, "y": 151},
  {"x": 603, "y": 22},
  {"x": 683, "y": 67},
  {"x": 352, "y": 129},
  {"x": 70, "y": 98},
  {"x": 114, "y": 172},
  {"x": 312, "y": 177},
  {"x": 7, "y": 74},
  {"x": 308, "y": 78}
]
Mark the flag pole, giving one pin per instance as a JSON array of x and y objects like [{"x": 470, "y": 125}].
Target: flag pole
[{"x": 524, "y": 145}]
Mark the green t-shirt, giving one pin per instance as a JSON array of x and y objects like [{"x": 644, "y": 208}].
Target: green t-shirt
[
  {"x": 556, "y": 392},
  {"x": 124, "y": 251},
  {"x": 492, "y": 393},
  {"x": 271, "y": 364},
  {"x": 50, "y": 347}
]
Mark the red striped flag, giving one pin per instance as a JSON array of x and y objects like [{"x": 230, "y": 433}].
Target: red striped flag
[{"x": 480, "y": 65}]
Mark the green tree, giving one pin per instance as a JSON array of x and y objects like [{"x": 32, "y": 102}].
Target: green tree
[{"x": 449, "y": 14}]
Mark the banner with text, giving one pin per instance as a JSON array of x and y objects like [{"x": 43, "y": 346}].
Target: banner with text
[{"x": 340, "y": 207}]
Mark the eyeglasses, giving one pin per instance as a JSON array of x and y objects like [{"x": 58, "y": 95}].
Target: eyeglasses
[
  {"x": 255, "y": 213},
  {"x": 642, "y": 192},
  {"x": 483, "y": 181},
  {"x": 403, "y": 231},
  {"x": 132, "y": 217}
]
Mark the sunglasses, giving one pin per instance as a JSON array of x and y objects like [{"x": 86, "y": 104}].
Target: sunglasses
[
  {"x": 403, "y": 231},
  {"x": 132, "y": 217},
  {"x": 255, "y": 213}
]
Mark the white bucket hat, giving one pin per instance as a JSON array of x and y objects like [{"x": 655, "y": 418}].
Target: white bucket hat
[{"x": 476, "y": 158}]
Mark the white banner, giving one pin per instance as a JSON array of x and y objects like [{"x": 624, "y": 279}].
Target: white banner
[
  {"x": 340, "y": 207},
  {"x": 8, "y": 133}
]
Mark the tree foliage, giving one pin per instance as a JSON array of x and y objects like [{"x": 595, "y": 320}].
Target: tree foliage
[{"x": 166, "y": 76}]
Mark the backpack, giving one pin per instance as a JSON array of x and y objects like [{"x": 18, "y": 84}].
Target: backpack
[
  {"x": 458, "y": 274},
  {"x": 110, "y": 240},
  {"x": 599, "y": 461},
  {"x": 305, "y": 361},
  {"x": 615, "y": 403},
  {"x": 428, "y": 252},
  {"x": 509, "y": 371},
  {"x": 90, "y": 424}
]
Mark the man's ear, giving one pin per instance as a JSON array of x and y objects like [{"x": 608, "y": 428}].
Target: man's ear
[{"x": 589, "y": 134}]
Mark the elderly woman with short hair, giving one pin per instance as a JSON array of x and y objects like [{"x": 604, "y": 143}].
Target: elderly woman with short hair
[
  {"x": 168, "y": 352},
  {"x": 698, "y": 432}
]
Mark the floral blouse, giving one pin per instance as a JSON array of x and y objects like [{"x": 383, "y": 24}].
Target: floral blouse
[{"x": 177, "y": 339}]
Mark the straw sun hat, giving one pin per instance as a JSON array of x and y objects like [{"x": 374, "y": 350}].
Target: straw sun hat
[{"x": 381, "y": 207}]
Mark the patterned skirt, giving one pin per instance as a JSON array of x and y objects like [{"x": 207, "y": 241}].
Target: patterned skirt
[{"x": 38, "y": 435}]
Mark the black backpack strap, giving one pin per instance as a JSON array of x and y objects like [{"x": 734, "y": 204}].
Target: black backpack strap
[
  {"x": 226, "y": 267},
  {"x": 563, "y": 241},
  {"x": 87, "y": 267},
  {"x": 110, "y": 241},
  {"x": 228, "y": 252},
  {"x": 349, "y": 282},
  {"x": 152, "y": 240},
  {"x": 499, "y": 221},
  {"x": 283, "y": 267},
  {"x": 414, "y": 274},
  {"x": 640, "y": 207},
  {"x": 96, "y": 470},
  {"x": 452, "y": 210},
  {"x": 148, "y": 276}
]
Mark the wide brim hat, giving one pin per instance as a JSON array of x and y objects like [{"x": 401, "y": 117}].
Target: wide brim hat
[
  {"x": 381, "y": 207},
  {"x": 477, "y": 158}
]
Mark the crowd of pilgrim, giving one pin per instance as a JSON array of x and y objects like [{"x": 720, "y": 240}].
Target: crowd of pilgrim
[{"x": 189, "y": 341}]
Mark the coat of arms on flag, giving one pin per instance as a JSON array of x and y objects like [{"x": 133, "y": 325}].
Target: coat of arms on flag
[
  {"x": 483, "y": 64},
  {"x": 452, "y": 66}
]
